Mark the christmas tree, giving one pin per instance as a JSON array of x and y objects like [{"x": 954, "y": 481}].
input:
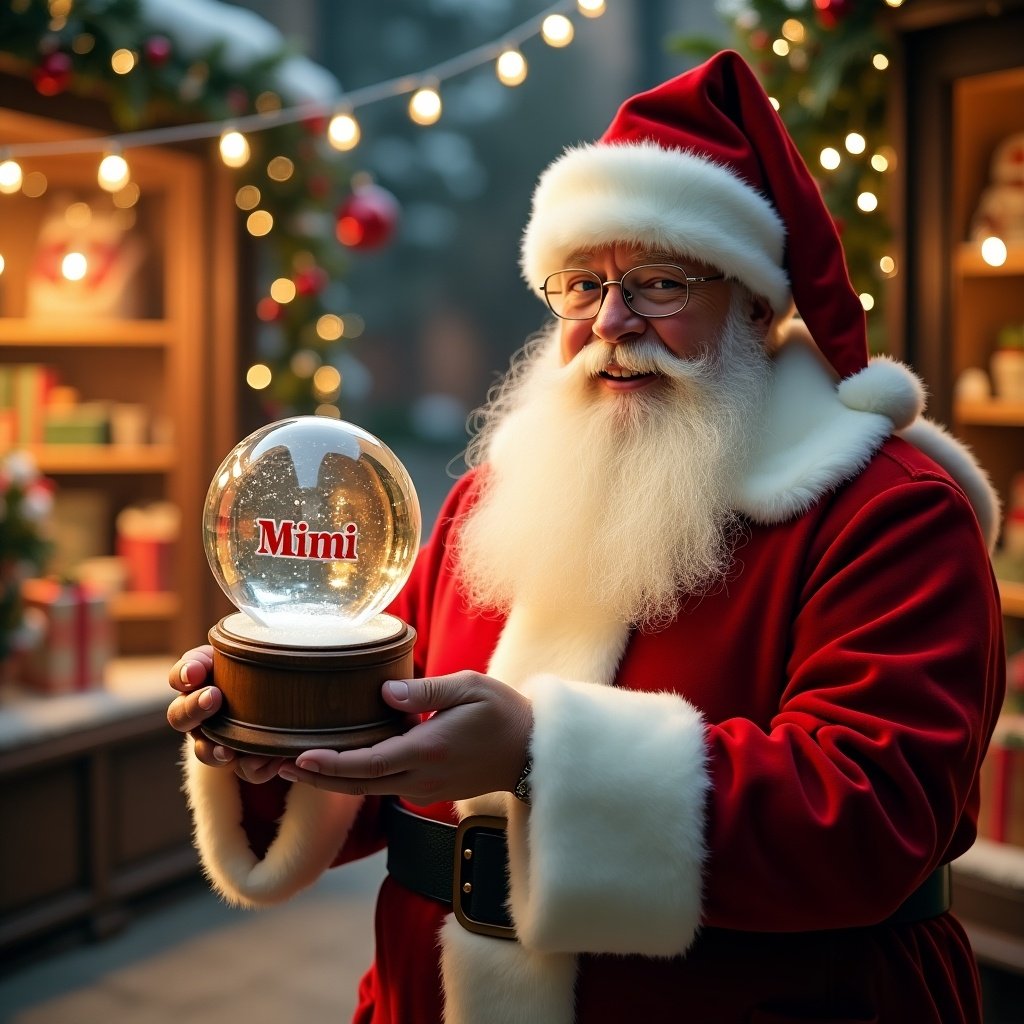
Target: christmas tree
[{"x": 824, "y": 65}]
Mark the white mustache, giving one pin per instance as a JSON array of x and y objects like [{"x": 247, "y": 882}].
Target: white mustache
[{"x": 637, "y": 357}]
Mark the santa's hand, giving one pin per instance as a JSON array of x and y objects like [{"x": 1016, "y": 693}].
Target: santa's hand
[
  {"x": 476, "y": 743},
  {"x": 191, "y": 675}
]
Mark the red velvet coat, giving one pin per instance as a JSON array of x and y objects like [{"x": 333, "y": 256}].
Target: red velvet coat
[{"x": 845, "y": 681}]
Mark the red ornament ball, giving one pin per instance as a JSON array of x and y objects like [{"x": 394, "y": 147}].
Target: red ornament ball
[
  {"x": 157, "y": 50},
  {"x": 367, "y": 219},
  {"x": 311, "y": 281},
  {"x": 53, "y": 74},
  {"x": 831, "y": 12}
]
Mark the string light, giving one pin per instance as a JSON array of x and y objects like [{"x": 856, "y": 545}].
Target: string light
[
  {"x": 258, "y": 376},
  {"x": 123, "y": 61},
  {"x": 330, "y": 327},
  {"x": 829, "y": 158},
  {"x": 879, "y": 62},
  {"x": 993, "y": 251},
  {"x": 867, "y": 201},
  {"x": 557, "y": 30},
  {"x": 74, "y": 266},
  {"x": 10, "y": 177},
  {"x": 793, "y": 30},
  {"x": 425, "y": 106},
  {"x": 780, "y": 47},
  {"x": 113, "y": 173},
  {"x": 867, "y": 300},
  {"x": 282, "y": 290},
  {"x": 234, "y": 148},
  {"x": 511, "y": 68},
  {"x": 855, "y": 143},
  {"x": 887, "y": 265},
  {"x": 343, "y": 132},
  {"x": 879, "y": 162}
]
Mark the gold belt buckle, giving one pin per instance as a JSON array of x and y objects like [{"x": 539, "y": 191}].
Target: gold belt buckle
[{"x": 462, "y": 875}]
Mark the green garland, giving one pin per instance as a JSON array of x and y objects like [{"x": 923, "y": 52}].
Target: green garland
[
  {"x": 167, "y": 86},
  {"x": 827, "y": 86}
]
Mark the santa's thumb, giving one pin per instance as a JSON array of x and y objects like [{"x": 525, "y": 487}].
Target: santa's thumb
[{"x": 421, "y": 695}]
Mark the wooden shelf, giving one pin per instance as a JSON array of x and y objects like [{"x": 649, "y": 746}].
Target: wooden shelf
[
  {"x": 970, "y": 264},
  {"x": 72, "y": 333},
  {"x": 996, "y": 412},
  {"x": 103, "y": 458},
  {"x": 1011, "y": 594}
]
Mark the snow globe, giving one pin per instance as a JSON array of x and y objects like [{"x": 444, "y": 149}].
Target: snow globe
[{"x": 311, "y": 527}]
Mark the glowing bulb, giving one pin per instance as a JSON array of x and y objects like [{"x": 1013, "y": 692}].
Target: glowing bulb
[
  {"x": 793, "y": 30},
  {"x": 10, "y": 177},
  {"x": 894, "y": 3},
  {"x": 591, "y": 8},
  {"x": 879, "y": 162},
  {"x": 557, "y": 30},
  {"x": 887, "y": 265},
  {"x": 867, "y": 300},
  {"x": 259, "y": 222},
  {"x": 327, "y": 381},
  {"x": 234, "y": 149},
  {"x": 247, "y": 197},
  {"x": 780, "y": 47},
  {"x": 867, "y": 201},
  {"x": 993, "y": 251},
  {"x": 880, "y": 62},
  {"x": 511, "y": 68},
  {"x": 74, "y": 266},
  {"x": 258, "y": 376},
  {"x": 282, "y": 290},
  {"x": 774, "y": 102},
  {"x": 2, "y": 264},
  {"x": 330, "y": 327},
  {"x": 125, "y": 198},
  {"x": 280, "y": 168},
  {"x": 425, "y": 106},
  {"x": 855, "y": 143},
  {"x": 829, "y": 158},
  {"x": 343, "y": 132},
  {"x": 122, "y": 61},
  {"x": 113, "y": 173}
]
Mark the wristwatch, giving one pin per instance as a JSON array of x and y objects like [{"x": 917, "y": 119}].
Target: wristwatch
[{"x": 522, "y": 788}]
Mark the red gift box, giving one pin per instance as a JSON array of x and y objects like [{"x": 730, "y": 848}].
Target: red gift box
[
  {"x": 78, "y": 640},
  {"x": 1001, "y": 815}
]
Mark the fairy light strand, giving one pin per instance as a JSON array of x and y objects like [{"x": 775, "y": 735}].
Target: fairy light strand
[{"x": 346, "y": 102}]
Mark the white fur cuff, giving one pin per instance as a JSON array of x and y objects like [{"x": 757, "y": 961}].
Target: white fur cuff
[
  {"x": 313, "y": 828},
  {"x": 609, "y": 857}
]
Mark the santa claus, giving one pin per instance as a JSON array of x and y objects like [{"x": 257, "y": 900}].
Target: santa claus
[{"x": 709, "y": 649}]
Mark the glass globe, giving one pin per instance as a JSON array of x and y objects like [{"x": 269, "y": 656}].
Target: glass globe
[{"x": 311, "y": 527}]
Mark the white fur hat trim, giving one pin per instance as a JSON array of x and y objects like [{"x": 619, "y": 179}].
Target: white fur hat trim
[{"x": 662, "y": 199}]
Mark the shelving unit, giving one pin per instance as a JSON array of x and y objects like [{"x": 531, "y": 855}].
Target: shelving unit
[
  {"x": 91, "y": 779},
  {"x": 161, "y": 357},
  {"x": 957, "y": 92}
]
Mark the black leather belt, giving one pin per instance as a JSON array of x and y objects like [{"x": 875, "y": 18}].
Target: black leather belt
[{"x": 465, "y": 867}]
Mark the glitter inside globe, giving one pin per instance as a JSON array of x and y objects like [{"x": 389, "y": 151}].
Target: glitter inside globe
[{"x": 311, "y": 527}]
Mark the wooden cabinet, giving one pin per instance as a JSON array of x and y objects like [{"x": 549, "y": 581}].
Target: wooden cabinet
[
  {"x": 90, "y": 781},
  {"x": 957, "y": 92},
  {"x": 163, "y": 347}
]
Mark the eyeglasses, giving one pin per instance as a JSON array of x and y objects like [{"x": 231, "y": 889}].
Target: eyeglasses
[{"x": 652, "y": 291}]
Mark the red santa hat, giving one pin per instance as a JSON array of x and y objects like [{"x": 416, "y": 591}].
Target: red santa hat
[{"x": 703, "y": 166}]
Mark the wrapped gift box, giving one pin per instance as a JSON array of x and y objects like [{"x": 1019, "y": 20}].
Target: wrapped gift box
[
  {"x": 1001, "y": 816},
  {"x": 78, "y": 636},
  {"x": 146, "y": 537}
]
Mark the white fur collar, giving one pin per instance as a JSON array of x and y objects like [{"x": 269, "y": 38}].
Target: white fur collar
[{"x": 818, "y": 434}]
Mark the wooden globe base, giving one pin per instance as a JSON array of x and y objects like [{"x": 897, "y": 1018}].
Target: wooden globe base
[{"x": 280, "y": 700}]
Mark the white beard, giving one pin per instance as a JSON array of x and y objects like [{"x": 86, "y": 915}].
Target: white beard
[{"x": 617, "y": 502}]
